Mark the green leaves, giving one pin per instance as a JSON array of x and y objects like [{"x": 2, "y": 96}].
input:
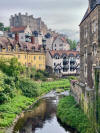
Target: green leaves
[
  {"x": 29, "y": 88},
  {"x": 73, "y": 44},
  {"x": 72, "y": 115},
  {"x": 11, "y": 67}
]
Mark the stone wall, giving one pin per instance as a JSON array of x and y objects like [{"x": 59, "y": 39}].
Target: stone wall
[{"x": 24, "y": 20}]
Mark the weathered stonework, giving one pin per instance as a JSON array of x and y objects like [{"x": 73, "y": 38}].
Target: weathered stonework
[
  {"x": 36, "y": 24},
  {"x": 87, "y": 90}
]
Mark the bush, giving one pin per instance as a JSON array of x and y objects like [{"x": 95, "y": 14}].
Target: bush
[
  {"x": 28, "y": 87},
  {"x": 72, "y": 115},
  {"x": 7, "y": 88},
  {"x": 11, "y": 67}
]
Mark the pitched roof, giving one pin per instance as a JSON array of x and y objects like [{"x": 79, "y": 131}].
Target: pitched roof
[
  {"x": 18, "y": 29},
  {"x": 4, "y": 42},
  {"x": 91, "y": 7},
  {"x": 62, "y": 52},
  {"x": 62, "y": 38}
]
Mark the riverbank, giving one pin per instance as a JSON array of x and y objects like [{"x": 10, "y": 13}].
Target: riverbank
[
  {"x": 10, "y": 110},
  {"x": 71, "y": 114}
]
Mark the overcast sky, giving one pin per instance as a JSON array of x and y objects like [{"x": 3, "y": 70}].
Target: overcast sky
[{"x": 60, "y": 15}]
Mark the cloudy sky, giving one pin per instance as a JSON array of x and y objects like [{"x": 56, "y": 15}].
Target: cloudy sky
[{"x": 60, "y": 15}]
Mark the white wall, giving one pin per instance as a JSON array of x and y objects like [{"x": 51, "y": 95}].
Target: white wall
[
  {"x": 58, "y": 44},
  {"x": 50, "y": 62}
]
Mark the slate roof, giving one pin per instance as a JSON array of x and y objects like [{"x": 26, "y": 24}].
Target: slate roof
[
  {"x": 92, "y": 7},
  {"x": 5, "y": 41}
]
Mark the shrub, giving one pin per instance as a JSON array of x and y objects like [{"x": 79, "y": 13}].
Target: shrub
[
  {"x": 72, "y": 115},
  {"x": 7, "y": 88},
  {"x": 11, "y": 67},
  {"x": 28, "y": 87}
]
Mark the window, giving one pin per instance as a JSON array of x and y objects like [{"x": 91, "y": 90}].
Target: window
[
  {"x": 25, "y": 56},
  {"x": 34, "y": 57},
  {"x": 94, "y": 26},
  {"x": 94, "y": 50},
  {"x": 54, "y": 64},
  {"x": 55, "y": 45},
  {"x": 85, "y": 32},
  {"x": 85, "y": 70},
  {"x": 39, "y": 57},
  {"x": 85, "y": 54}
]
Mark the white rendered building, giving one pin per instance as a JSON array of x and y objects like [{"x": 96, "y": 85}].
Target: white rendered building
[{"x": 63, "y": 62}]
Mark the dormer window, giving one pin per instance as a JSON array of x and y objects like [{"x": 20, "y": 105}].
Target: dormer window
[{"x": 57, "y": 57}]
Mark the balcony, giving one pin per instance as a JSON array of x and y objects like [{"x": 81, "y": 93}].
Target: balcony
[
  {"x": 66, "y": 66},
  {"x": 73, "y": 67},
  {"x": 72, "y": 61}
]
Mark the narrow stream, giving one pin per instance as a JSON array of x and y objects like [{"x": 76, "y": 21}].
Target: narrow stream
[{"x": 41, "y": 118}]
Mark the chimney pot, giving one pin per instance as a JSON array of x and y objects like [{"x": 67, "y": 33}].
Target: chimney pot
[
  {"x": 32, "y": 40},
  {"x": 16, "y": 37}
]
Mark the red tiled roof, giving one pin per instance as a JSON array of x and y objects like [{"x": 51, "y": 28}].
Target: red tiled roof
[
  {"x": 18, "y": 29},
  {"x": 61, "y": 52},
  {"x": 62, "y": 38}
]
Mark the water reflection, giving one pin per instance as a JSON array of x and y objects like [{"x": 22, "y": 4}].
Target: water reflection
[{"x": 41, "y": 119}]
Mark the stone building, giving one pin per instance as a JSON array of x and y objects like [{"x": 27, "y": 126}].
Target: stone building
[
  {"x": 24, "y": 33},
  {"x": 36, "y": 24},
  {"x": 89, "y": 82}
]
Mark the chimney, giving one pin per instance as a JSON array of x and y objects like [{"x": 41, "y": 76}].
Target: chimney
[
  {"x": 16, "y": 37},
  {"x": 32, "y": 40}
]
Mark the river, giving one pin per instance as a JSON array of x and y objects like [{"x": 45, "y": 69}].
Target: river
[{"x": 41, "y": 118}]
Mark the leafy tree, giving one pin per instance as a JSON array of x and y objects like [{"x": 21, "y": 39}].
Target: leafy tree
[
  {"x": 73, "y": 44},
  {"x": 15, "y": 67},
  {"x": 1, "y": 26},
  {"x": 6, "y": 28},
  {"x": 11, "y": 67}
]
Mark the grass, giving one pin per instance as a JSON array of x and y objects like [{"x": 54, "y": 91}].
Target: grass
[
  {"x": 10, "y": 110},
  {"x": 71, "y": 114},
  {"x": 45, "y": 87},
  {"x": 15, "y": 106}
]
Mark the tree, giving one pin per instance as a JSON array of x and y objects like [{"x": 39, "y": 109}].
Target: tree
[
  {"x": 73, "y": 44},
  {"x": 15, "y": 67},
  {"x": 1, "y": 26},
  {"x": 11, "y": 67},
  {"x": 6, "y": 28}
]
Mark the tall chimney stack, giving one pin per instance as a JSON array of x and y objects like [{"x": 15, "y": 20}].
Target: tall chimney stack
[
  {"x": 16, "y": 37},
  {"x": 32, "y": 40}
]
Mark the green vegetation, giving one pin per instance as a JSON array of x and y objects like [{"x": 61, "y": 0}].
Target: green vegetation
[
  {"x": 59, "y": 84},
  {"x": 73, "y": 44},
  {"x": 28, "y": 87},
  {"x": 9, "y": 110},
  {"x": 71, "y": 114},
  {"x": 19, "y": 88},
  {"x": 3, "y": 28}
]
